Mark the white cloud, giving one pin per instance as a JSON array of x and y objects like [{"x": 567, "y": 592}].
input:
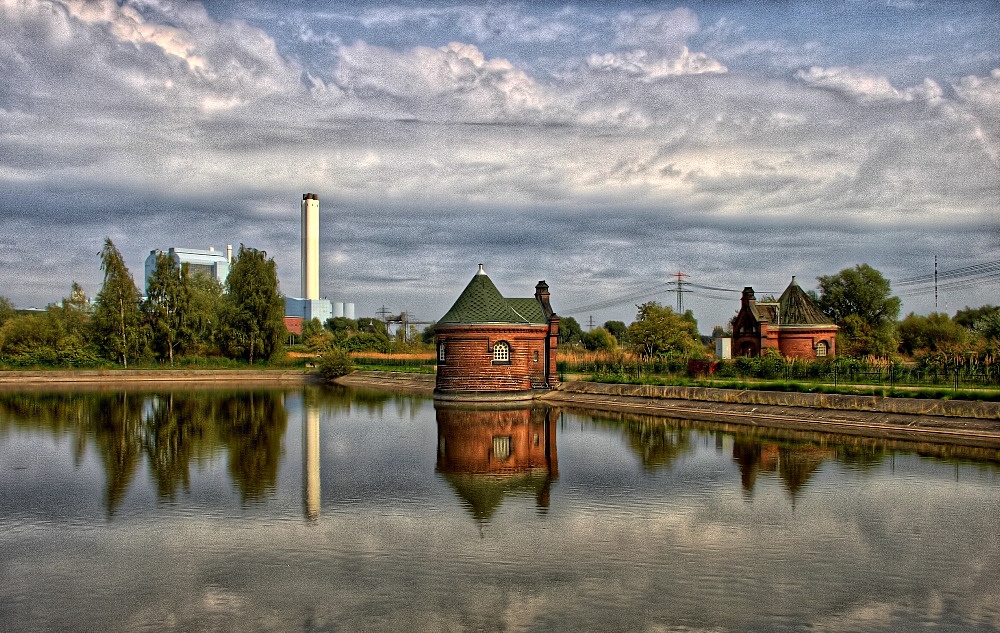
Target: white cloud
[
  {"x": 434, "y": 82},
  {"x": 649, "y": 68},
  {"x": 866, "y": 87},
  {"x": 661, "y": 31},
  {"x": 981, "y": 91}
]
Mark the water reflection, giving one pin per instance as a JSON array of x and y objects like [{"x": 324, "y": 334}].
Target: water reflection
[
  {"x": 794, "y": 463},
  {"x": 171, "y": 430},
  {"x": 310, "y": 456},
  {"x": 487, "y": 454}
]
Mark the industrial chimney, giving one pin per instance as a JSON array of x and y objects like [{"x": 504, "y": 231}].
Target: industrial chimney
[{"x": 310, "y": 246}]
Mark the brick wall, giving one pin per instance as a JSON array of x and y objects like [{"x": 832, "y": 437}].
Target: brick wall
[
  {"x": 469, "y": 366},
  {"x": 801, "y": 342}
]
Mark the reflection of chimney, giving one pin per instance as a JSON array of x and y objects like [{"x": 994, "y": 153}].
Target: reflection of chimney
[
  {"x": 310, "y": 246},
  {"x": 310, "y": 461}
]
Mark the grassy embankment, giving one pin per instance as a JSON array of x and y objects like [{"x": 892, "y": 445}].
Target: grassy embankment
[{"x": 626, "y": 369}]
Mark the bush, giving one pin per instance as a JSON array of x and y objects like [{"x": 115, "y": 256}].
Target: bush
[{"x": 334, "y": 364}]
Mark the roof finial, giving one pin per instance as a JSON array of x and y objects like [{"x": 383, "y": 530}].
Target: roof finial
[{"x": 481, "y": 271}]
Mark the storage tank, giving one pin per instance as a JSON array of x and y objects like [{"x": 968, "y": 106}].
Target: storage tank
[
  {"x": 349, "y": 310},
  {"x": 338, "y": 309}
]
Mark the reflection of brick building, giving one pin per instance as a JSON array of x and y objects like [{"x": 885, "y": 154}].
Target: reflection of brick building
[
  {"x": 793, "y": 325},
  {"x": 488, "y": 343},
  {"x": 794, "y": 464},
  {"x": 488, "y": 454}
]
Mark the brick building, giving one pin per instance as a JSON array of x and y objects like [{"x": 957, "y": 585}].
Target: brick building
[
  {"x": 494, "y": 346},
  {"x": 793, "y": 325}
]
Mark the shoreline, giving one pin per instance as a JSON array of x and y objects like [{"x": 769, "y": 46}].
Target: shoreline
[
  {"x": 35, "y": 380},
  {"x": 966, "y": 423}
]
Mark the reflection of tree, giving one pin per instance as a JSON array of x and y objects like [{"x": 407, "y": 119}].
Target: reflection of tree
[
  {"x": 175, "y": 429},
  {"x": 117, "y": 427},
  {"x": 657, "y": 443},
  {"x": 864, "y": 455},
  {"x": 252, "y": 427},
  {"x": 487, "y": 454},
  {"x": 171, "y": 429}
]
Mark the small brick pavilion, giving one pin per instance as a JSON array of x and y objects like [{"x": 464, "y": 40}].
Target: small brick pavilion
[
  {"x": 793, "y": 325},
  {"x": 494, "y": 347}
]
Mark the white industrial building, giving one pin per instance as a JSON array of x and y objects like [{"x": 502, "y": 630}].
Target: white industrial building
[
  {"x": 309, "y": 306},
  {"x": 211, "y": 262}
]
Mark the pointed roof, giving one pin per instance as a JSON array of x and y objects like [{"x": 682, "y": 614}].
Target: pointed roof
[
  {"x": 481, "y": 302},
  {"x": 797, "y": 308}
]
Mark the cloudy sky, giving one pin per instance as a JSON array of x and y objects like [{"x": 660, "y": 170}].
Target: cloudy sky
[{"x": 598, "y": 146}]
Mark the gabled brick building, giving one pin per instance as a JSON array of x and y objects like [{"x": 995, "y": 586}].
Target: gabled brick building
[
  {"x": 490, "y": 345},
  {"x": 793, "y": 325}
]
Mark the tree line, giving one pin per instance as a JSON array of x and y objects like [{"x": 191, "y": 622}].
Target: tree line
[
  {"x": 182, "y": 314},
  {"x": 858, "y": 299}
]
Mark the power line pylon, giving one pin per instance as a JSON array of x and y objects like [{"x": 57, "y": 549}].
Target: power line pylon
[{"x": 680, "y": 290}]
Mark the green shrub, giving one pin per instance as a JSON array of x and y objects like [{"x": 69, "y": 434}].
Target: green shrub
[{"x": 335, "y": 363}]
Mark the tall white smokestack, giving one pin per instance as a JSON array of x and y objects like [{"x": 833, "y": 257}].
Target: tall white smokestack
[{"x": 310, "y": 246}]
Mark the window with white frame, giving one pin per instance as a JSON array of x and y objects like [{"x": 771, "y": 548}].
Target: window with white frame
[
  {"x": 501, "y": 352},
  {"x": 821, "y": 349},
  {"x": 440, "y": 351}
]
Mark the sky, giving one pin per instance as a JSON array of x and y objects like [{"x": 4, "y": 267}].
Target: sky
[{"x": 600, "y": 146}]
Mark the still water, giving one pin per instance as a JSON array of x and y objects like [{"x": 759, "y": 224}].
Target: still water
[{"x": 321, "y": 510}]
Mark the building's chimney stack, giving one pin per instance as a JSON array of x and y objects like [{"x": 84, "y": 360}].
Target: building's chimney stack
[
  {"x": 748, "y": 296},
  {"x": 310, "y": 246},
  {"x": 229, "y": 253},
  {"x": 542, "y": 294}
]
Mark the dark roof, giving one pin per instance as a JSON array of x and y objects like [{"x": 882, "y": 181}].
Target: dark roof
[
  {"x": 764, "y": 311},
  {"x": 481, "y": 302},
  {"x": 797, "y": 308}
]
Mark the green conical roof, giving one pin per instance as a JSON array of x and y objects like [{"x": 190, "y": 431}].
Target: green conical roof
[
  {"x": 481, "y": 302},
  {"x": 796, "y": 308}
]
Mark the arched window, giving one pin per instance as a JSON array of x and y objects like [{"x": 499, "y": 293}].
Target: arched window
[
  {"x": 820, "y": 349},
  {"x": 440, "y": 351},
  {"x": 501, "y": 352}
]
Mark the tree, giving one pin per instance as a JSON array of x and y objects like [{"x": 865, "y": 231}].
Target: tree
[
  {"x": 570, "y": 331},
  {"x": 117, "y": 316},
  {"x": 341, "y": 324},
  {"x": 658, "y": 330},
  {"x": 205, "y": 307},
  {"x": 7, "y": 311},
  {"x": 599, "y": 340},
  {"x": 967, "y": 316},
  {"x": 617, "y": 329},
  {"x": 936, "y": 332},
  {"x": 373, "y": 326},
  {"x": 988, "y": 327},
  {"x": 253, "y": 325},
  {"x": 864, "y": 294},
  {"x": 427, "y": 334},
  {"x": 168, "y": 307}
]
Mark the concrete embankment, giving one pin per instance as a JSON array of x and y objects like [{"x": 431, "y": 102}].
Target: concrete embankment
[
  {"x": 875, "y": 404},
  {"x": 422, "y": 384},
  {"x": 957, "y": 422}
]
